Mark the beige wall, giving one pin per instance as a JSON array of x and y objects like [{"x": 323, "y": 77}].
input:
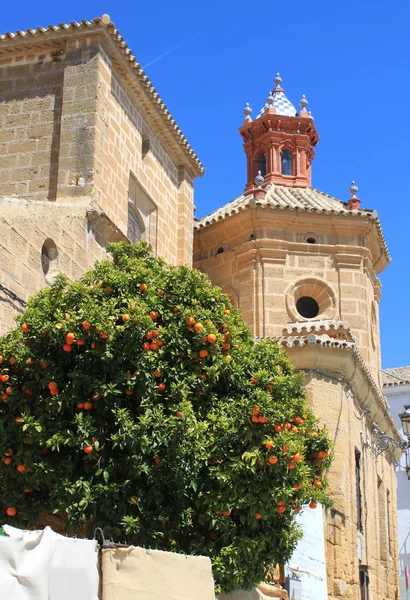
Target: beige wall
[
  {"x": 72, "y": 119},
  {"x": 262, "y": 274},
  {"x": 336, "y": 405},
  {"x": 24, "y": 227},
  {"x": 121, "y": 126},
  {"x": 264, "y": 271}
]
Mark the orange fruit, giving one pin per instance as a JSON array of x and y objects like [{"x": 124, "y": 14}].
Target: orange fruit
[
  {"x": 287, "y": 426},
  {"x": 153, "y": 315},
  {"x": 190, "y": 321},
  {"x": 179, "y": 414},
  {"x": 88, "y": 449},
  {"x": 253, "y": 379},
  {"x": 226, "y": 513},
  {"x": 25, "y": 328},
  {"x": 80, "y": 405},
  {"x": 8, "y": 452},
  {"x": 88, "y": 405},
  {"x": 317, "y": 484},
  {"x": 7, "y": 461},
  {"x": 1, "y": 359},
  {"x": 312, "y": 504},
  {"x": 256, "y": 410},
  {"x": 157, "y": 460},
  {"x": 5, "y": 378},
  {"x": 86, "y": 325},
  {"x": 297, "y": 457},
  {"x": 291, "y": 465},
  {"x": 161, "y": 387},
  {"x": 161, "y": 292},
  {"x": 211, "y": 338},
  {"x": 198, "y": 327},
  {"x": 263, "y": 419},
  {"x": 12, "y": 360},
  {"x": 157, "y": 373},
  {"x": 258, "y": 515},
  {"x": 297, "y": 486},
  {"x": 4, "y": 397},
  {"x": 281, "y": 509},
  {"x": 143, "y": 287},
  {"x": 125, "y": 318},
  {"x": 146, "y": 346},
  {"x": 298, "y": 509},
  {"x": 95, "y": 399},
  {"x": 228, "y": 357},
  {"x": 322, "y": 454},
  {"x": 284, "y": 449},
  {"x": 226, "y": 347},
  {"x": 268, "y": 445},
  {"x": 203, "y": 353},
  {"x": 128, "y": 392},
  {"x": 255, "y": 419},
  {"x": 67, "y": 348},
  {"x": 18, "y": 420},
  {"x": 278, "y": 428},
  {"x": 52, "y": 385},
  {"x": 273, "y": 460},
  {"x": 21, "y": 468},
  {"x": 294, "y": 429},
  {"x": 227, "y": 311},
  {"x": 69, "y": 338},
  {"x": 43, "y": 365},
  {"x": 153, "y": 346},
  {"x": 29, "y": 361},
  {"x": 175, "y": 309},
  {"x": 11, "y": 511}
]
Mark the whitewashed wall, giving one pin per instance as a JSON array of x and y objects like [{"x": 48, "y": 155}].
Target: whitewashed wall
[
  {"x": 308, "y": 562},
  {"x": 397, "y": 397}
]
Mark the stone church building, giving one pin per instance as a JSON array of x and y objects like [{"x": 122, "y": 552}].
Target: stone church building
[
  {"x": 303, "y": 267},
  {"x": 89, "y": 154}
]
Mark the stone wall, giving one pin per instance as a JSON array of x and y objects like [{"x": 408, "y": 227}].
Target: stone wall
[
  {"x": 261, "y": 259},
  {"x": 122, "y": 127},
  {"x": 73, "y": 118},
  {"x": 335, "y": 404},
  {"x": 25, "y": 227},
  {"x": 264, "y": 272}
]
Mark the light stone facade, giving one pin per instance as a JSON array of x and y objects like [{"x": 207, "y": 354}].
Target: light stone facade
[
  {"x": 78, "y": 120},
  {"x": 279, "y": 244}
]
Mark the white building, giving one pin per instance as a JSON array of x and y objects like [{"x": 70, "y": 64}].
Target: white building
[{"x": 396, "y": 387}]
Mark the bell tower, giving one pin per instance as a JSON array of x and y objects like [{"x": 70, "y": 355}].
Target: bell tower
[
  {"x": 302, "y": 267},
  {"x": 279, "y": 142}
]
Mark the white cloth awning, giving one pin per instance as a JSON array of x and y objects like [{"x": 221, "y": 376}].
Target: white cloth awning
[{"x": 43, "y": 565}]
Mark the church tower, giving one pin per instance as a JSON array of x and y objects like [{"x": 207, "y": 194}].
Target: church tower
[{"x": 302, "y": 267}]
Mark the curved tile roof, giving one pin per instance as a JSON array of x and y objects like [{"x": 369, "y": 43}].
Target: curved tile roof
[
  {"x": 122, "y": 46},
  {"x": 396, "y": 376},
  {"x": 299, "y": 199}
]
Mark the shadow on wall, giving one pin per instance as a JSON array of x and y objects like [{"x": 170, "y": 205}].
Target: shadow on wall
[{"x": 38, "y": 88}]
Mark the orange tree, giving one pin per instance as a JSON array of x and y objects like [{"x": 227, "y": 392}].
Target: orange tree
[{"x": 135, "y": 399}]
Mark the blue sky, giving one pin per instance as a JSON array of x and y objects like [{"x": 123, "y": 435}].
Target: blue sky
[{"x": 349, "y": 58}]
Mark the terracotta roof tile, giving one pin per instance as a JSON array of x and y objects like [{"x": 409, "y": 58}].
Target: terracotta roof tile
[
  {"x": 306, "y": 199},
  {"x": 396, "y": 376}
]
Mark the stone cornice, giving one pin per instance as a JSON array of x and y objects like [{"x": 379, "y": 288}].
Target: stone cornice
[{"x": 349, "y": 363}]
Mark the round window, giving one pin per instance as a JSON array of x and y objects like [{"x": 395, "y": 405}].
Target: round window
[{"x": 307, "y": 307}]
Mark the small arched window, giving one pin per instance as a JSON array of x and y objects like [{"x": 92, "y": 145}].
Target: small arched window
[
  {"x": 262, "y": 164},
  {"x": 286, "y": 162}
]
